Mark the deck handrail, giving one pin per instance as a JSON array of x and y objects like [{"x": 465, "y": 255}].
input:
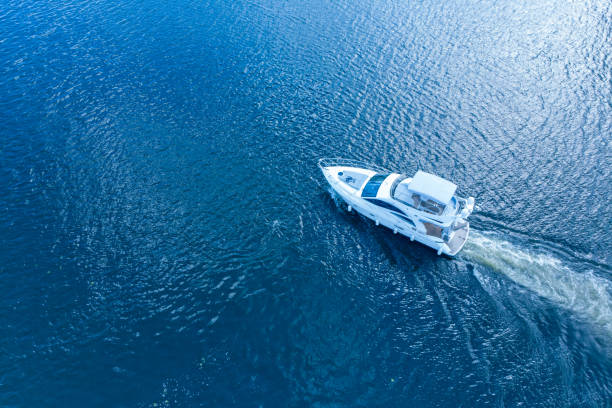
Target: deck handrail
[{"x": 339, "y": 161}]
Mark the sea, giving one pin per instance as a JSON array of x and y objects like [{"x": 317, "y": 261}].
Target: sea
[{"x": 167, "y": 239}]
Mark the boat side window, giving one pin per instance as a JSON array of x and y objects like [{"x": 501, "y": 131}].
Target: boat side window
[
  {"x": 408, "y": 220},
  {"x": 432, "y": 207},
  {"x": 386, "y": 205},
  {"x": 396, "y": 183},
  {"x": 371, "y": 188},
  {"x": 432, "y": 229}
]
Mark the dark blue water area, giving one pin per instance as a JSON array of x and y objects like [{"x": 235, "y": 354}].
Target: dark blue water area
[{"x": 166, "y": 238}]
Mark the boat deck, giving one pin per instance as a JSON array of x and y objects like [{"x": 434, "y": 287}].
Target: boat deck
[
  {"x": 353, "y": 179},
  {"x": 459, "y": 237}
]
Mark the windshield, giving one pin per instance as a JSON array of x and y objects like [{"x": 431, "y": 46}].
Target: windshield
[
  {"x": 395, "y": 184},
  {"x": 371, "y": 189}
]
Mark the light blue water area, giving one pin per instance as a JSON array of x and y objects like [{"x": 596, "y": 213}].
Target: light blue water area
[{"x": 166, "y": 238}]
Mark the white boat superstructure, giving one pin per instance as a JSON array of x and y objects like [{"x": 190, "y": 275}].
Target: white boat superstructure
[{"x": 423, "y": 207}]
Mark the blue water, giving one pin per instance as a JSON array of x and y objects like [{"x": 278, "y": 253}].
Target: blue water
[{"x": 166, "y": 238}]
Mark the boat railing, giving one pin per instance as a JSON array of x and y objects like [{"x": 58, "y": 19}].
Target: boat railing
[{"x": 339, "y": 161}]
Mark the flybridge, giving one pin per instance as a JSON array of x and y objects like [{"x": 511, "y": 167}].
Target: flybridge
[{"x": 432, "y": 186}]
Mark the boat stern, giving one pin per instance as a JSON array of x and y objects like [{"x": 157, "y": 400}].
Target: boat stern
[{"x": 457, "y": 241}]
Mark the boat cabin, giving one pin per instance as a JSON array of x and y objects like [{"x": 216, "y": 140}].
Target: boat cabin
[{"x": 425, "y": 192}]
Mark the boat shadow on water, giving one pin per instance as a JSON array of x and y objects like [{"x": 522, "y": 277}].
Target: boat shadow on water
[{"x": 389, "y": 242}]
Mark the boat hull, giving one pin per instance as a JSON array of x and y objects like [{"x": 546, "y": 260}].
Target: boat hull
[{"x": 393, "y": 222}]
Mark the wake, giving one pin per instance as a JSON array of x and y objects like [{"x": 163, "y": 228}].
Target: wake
[{"x": 585, "y": 294}]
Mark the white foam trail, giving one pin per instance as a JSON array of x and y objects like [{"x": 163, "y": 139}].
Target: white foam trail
[{"x": 585, "y": 294}]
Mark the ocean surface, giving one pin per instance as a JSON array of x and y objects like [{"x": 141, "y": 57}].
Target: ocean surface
[{"x": 167, "y": 240}]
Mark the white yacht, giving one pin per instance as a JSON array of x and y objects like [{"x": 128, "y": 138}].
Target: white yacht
[{"x": 423, "y": 207}]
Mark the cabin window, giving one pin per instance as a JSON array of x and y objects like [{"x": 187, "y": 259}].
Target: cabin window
[
  {"x": 397, "y": 181},
  {"x": 421, "y": 204},
  {"x": 371, "y": 189},
  {"x": 432, "y": 229},
  {"x": 432, "y": 207},
  {"x": 408, "y": 220},
  {"x": 386, "y": 205}
]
